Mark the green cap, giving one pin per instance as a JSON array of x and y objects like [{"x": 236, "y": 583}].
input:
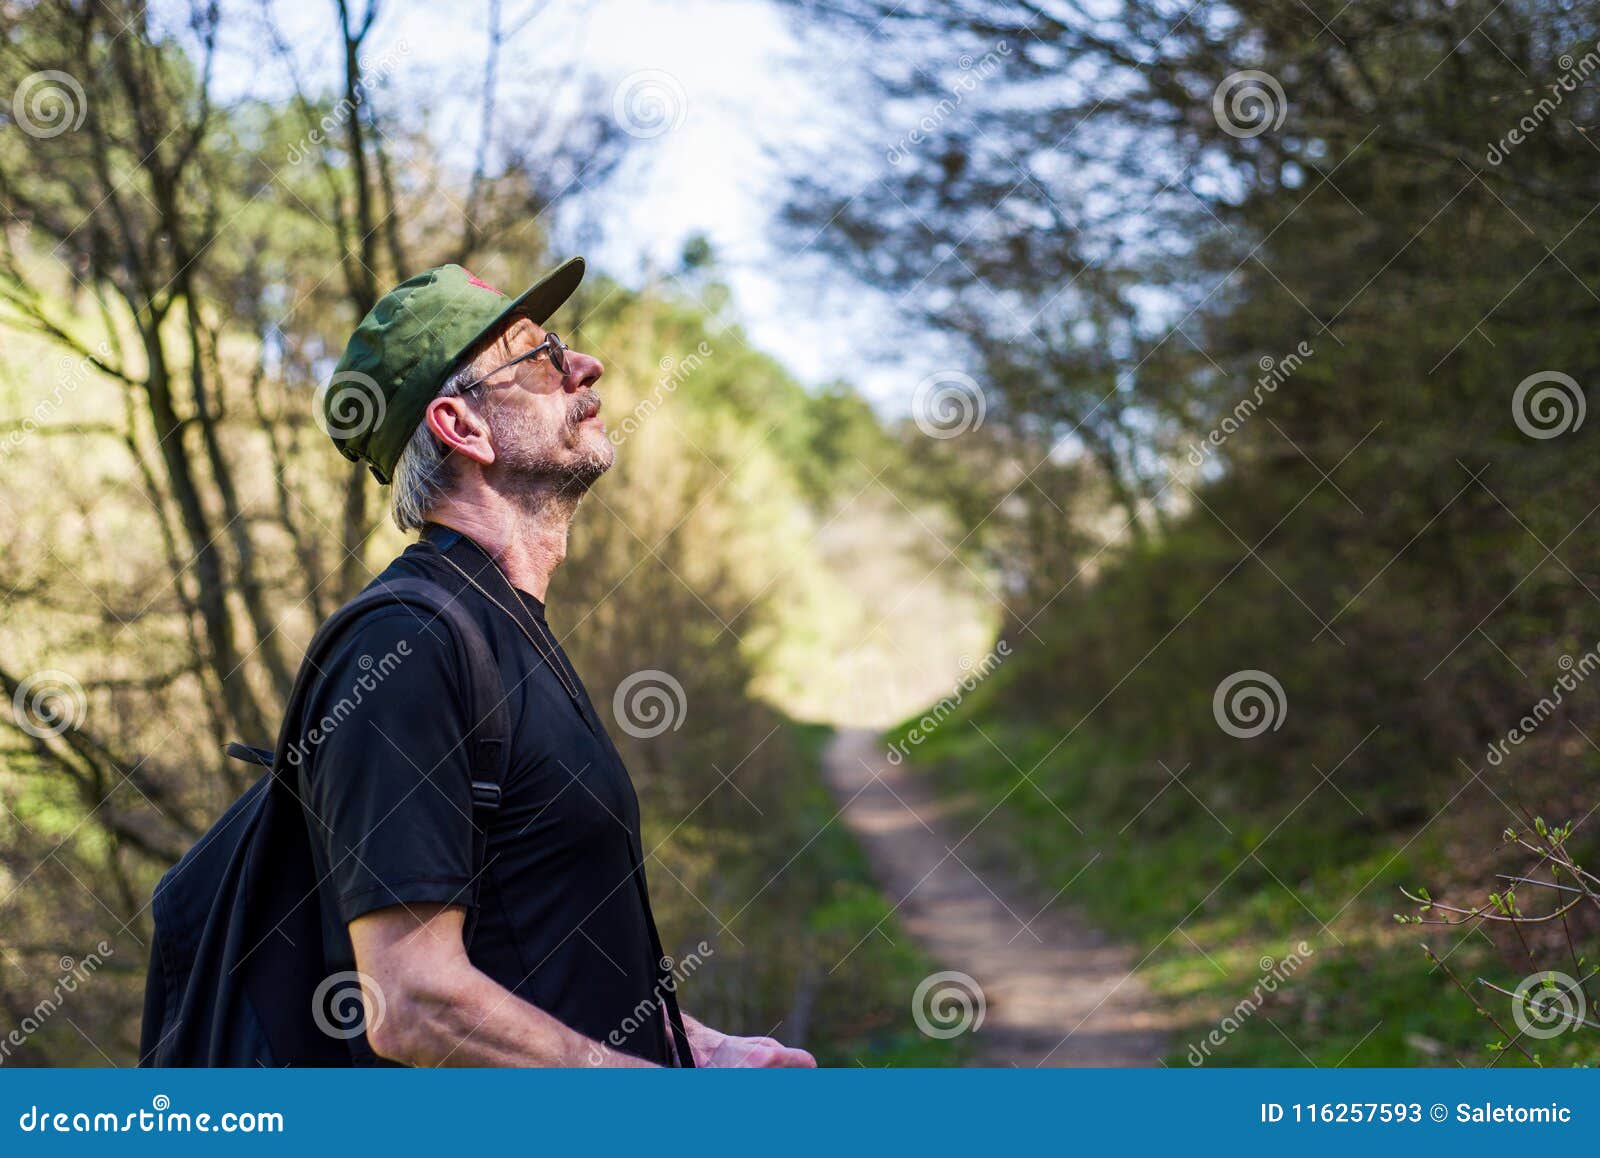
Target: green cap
[{"x": 407, "y": 346}]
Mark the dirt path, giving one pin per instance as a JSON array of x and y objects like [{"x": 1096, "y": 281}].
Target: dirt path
[{"x": 1055, "y": 993}]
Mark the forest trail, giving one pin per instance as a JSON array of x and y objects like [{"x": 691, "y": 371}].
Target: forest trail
[{"x": 1055, "y": 992}]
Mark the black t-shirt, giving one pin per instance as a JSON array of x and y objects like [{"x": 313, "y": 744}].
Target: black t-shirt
[{"x": 563, "y": 919}]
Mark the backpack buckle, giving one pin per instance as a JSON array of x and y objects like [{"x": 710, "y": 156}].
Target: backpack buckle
[
  {"x": 485, "y": 794},
  {"x": 486, "y": 754}
]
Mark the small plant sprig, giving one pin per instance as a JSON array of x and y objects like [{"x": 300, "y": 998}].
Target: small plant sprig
[{"x": 1549, "y": 1001}]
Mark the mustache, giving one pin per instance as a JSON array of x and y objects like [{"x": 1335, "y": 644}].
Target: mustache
[{"x": 584, "y": 404}]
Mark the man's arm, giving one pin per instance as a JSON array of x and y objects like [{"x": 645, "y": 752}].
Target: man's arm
[
  {"x": 714, "y": 1049},
  {"x": 438, "y": 1009}
]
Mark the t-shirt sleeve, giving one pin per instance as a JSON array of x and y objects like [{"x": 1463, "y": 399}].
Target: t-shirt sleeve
[{"x": 385, "y": 775}]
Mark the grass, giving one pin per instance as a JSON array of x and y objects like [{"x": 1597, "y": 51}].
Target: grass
[{"x": 1278, "y": 938}]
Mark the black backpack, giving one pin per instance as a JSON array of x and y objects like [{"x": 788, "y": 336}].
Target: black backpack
[{"x": 237, "y": 974}]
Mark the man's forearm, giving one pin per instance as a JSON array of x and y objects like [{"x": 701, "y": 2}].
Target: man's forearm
[
  {"x": 464, "y": 1018},
  {"x": 432, "y": 1007}
]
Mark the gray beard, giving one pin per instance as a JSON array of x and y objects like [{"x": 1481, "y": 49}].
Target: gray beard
[{"x": 534, "y": 474}]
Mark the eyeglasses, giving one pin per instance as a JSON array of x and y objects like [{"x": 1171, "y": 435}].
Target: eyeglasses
[{"x": 552, "y": 345}]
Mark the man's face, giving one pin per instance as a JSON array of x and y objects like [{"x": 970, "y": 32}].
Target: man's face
[{"x": 545, "y": 425}]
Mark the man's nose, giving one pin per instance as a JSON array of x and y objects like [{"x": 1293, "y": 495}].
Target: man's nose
[{"x": 583, "y": 370}]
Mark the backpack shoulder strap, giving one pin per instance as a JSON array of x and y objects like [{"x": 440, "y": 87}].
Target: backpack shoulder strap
[{"x": 488, "y": 736}]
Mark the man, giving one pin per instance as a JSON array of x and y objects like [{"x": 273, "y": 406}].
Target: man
[{"x": 487, "y": 428}]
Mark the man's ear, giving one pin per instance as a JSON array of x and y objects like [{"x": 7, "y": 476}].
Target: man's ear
[{"x": 460, "y": 427}]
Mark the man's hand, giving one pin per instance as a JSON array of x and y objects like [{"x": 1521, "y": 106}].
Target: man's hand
[{"x": 715, "y": 1050}]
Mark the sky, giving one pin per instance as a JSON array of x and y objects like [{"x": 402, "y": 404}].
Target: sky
[{"x": 713, "y": 89}]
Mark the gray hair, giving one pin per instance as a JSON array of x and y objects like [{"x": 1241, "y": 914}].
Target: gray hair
[{"x": 423, "y": 473}]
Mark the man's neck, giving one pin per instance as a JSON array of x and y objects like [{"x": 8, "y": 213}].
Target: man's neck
[{"x": 528, "y": 543}]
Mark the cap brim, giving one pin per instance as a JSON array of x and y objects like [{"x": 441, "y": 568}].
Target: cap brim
[{"x": 547, "y": 296}]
